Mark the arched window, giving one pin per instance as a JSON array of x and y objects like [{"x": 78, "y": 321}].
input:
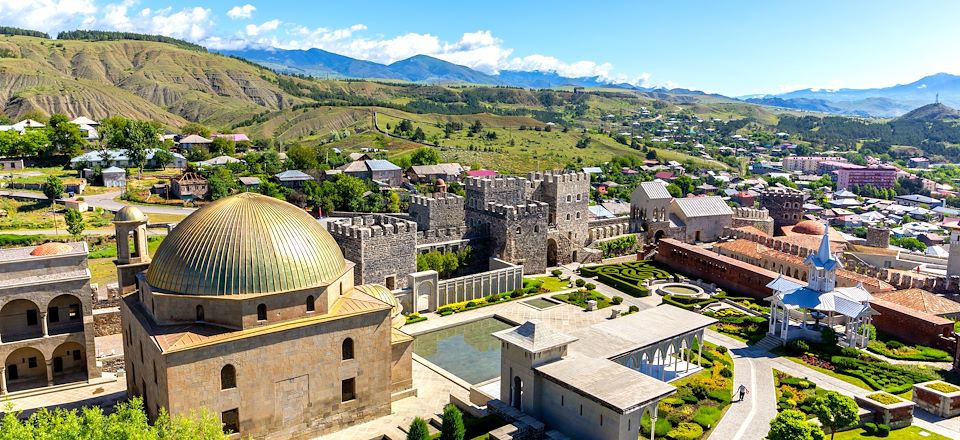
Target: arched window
[
  {"x": 310, "y": 305},
  {"x": 347, "y": 351},
  {"x": 228, "y": 377},
  {"x": 200, "y": 313},
  {"x": 262, "y": 312}
]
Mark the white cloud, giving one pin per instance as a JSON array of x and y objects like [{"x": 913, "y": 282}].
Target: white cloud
[
  {"x": 191, "y": 23},
  {"x": 238, "y": 12},
  {"x": 254, "y": 30},
  {"x": 46, "y": 15}
]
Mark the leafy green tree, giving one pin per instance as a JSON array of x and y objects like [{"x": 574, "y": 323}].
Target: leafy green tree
[
  {"x": 835, "y": 411},
  {"x": 142, "y": 137},
  {"x": 418, "y": 135},
  {"x": 221, "y": 146},
  {"x": 451, "y": 262},
  {"x": 64, "y": 135},
  {"x": 162, "y": 158},
  {"x": 195, "y": 128},
  {"x": 302, "y": 157},
  {"x": 271, "y": 189},
  {"x": 393, "y": 202},
  {"x": 476, "y": 127},
  {"x": 425, "y": 156},
  {"x": 221, "y": 182},
  {"x": 8, "y": 143},
  {"x": 418, "y": 430},
  {"x": 75, "y": 224},
  {"x": 31, "y": 143},
  {"x": 793, "y": 425},
  {"x": 674, "y": 191},
  {"x": 910, "y": 243},
  {"x": 128, "y": 421},
  {"x": 113, "y": 132},
  {"x": 53, "y": 188},
  {"x": 685, "y": 183},
  {"x": 404, "y": 127},
  {"x": 451, "y": 428}
]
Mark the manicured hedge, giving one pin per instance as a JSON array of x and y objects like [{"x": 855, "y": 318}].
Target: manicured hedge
[
  {"x": 879, "y": 375},
  {"x": 628, "y": 277}
]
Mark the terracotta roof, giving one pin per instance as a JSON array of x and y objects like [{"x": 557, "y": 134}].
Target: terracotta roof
[
  {"x": 921, "y": 300},
  {"x": 752, "y": 230},
  {"x": 51, "y": 248}
]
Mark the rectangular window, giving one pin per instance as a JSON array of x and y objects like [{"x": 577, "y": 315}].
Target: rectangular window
[
  {"x": 54, "y": 314},
  {"x": 32, "y": 317},
  {"x": 76, "y": 355},
  {"x": 230, "y": 420},
  {"x": 32, "y": 362},
  {"x": 348, "y": 390}
]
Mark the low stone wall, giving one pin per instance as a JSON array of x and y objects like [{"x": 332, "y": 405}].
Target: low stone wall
[
  {"x": 935, "y": 402},
  {"x": 896, "y": 415},
  {"x": 106, "y": 322},
  {"x": 503, "y": 277}
]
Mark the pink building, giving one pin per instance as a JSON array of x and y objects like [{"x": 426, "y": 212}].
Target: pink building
[{"x": 880, "y": 176}]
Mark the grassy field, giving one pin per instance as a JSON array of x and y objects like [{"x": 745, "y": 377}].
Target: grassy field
[
  {"x": 38, "y": 215},
  {"x": 518, "y": 151}
]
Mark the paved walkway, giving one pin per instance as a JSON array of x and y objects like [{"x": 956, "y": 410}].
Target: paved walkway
[
  {"x": 106, "y": 201},
  {"x": 754, "y": 367}
]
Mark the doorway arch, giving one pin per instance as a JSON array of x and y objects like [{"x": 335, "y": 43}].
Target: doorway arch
[
  {"x": 551, "y": 252},
  {"x": 516, "y": 396}
]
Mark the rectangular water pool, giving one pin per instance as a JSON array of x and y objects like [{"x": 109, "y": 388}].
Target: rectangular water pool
[
  {"x": 541, "y": 303},
  {"x": 467, "y": 350}
]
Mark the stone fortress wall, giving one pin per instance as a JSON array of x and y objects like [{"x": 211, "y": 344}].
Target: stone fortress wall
[
  {"x": 758, "y": 218},
  {"x": 785, "y": 205},
  {"x": 383, "y": 248}
]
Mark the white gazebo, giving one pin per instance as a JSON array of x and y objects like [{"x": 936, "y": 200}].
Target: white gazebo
[{"x": 820, "y": 299}]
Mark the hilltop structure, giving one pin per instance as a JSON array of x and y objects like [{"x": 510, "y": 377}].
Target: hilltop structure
[{"x": 271, "y": 333}]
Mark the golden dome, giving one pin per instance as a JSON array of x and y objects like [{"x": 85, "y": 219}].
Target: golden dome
[
  {"x": 129, "y": 213},
  {"x": 380, "y": 292},
  {"x": 246, "y": 244},
  {"x": 51, "y": 248}
]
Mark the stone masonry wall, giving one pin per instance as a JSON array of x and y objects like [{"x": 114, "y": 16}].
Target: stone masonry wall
[
  {"x": 383, "y": 248},
  {"x": 518, "y": 234},
  {"x": 440, "y": 210}
]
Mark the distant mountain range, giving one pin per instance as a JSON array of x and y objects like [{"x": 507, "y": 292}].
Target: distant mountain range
[
  {"x": 883, "y": 102},
  {"x": 419, "y": 68}
]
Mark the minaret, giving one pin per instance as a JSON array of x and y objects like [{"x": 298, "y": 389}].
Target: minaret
[{"x": 822, "y": 275}]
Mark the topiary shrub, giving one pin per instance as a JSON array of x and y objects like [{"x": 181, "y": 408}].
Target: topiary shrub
[
  {"x": 633, "y": 309},
  {"x": 616, "y": 300},
  {"x": 850, "y": 352},
  {"x": 471, "y": 304},
  {"x": 686, "y": 431},
  {"x": 492, "y": 298},
  {"x": 869, "y": 428},
  {"x": 556, "y": 272},
  {"x": 707, "y": 416},
  {"x": 725, "y": 372},
  {"x": 883, "y": 430},
  {"x": 895, "y": 345},
  {"x": 517, "y": 293},
  {"x": 721, "y": 349},
  {"x": 590, "y": 286},
  {"x": 660, "y": 429},
  {"x": 579, "y": 282},
  {"x": 798, "y": 346}
]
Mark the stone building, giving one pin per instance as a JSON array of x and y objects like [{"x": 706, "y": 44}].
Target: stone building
[
  {"x": 784, "y": 204},
  {"x": 46, "y": 317},
  {"x": 564, "y": 381},
  {"x": 517, "y": 233},
  {"x": 648, "y": 210},
  {"x": 692, "y": 219},
  {"x": 567, "y": 194},
  {"x": 250, "y": 311},
  {"x": 878, "y": 237},
  {"x": 437, "y": 211},
  {"x": 384, "y": 248}
]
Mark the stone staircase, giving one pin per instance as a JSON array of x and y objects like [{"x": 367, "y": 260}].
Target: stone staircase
[{"x": 768, "y": 343}]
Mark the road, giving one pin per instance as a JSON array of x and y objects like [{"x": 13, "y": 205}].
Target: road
[{"x": 107, "y": 202}]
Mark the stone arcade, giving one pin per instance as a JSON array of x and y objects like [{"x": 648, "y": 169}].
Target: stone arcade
[{"x": 250, "y": 310}]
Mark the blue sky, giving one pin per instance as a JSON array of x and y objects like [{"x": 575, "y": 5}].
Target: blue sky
[{"x": 735, "y": 48}]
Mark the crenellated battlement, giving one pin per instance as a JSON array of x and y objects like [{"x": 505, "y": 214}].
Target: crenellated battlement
[
  {"x": 442, "y": 234},
  {"x": 559, "y": 176},
  {"x": 496, "y": 182},
  {"x": 370, "y": 226},
  {"x": 751, "y": 213},
  {"x": 776, "y": 192},
  {"x": 513, "y": 212},
  {"x": 437, "y": 200}
]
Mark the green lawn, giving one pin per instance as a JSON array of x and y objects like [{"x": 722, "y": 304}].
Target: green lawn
[
  {"x": 552, "y": 284},
  {"x": 848, "y": 379},
  {"x": 908, "y": 433},
  {"x": 580, "y": 298}
]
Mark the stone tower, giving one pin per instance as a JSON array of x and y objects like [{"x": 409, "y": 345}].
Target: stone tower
[
  {"x": 517, "y": 233},
  {"x": 953, "y": 261},
  {"x": 130, "y": 223},
  {"x": 784, "y": 204},
  {"x": 440, "y": 210},
  {"x": 383, "y": 248},
  {"x": 878, "y": 237},
  {"x": 568, "y": 195}
]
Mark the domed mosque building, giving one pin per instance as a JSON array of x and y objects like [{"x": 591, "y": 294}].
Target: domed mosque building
[{"x": 249, "y": 309}]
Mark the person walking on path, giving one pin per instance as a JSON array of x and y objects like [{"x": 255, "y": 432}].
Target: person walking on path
[{"x": 742, "y": 391}]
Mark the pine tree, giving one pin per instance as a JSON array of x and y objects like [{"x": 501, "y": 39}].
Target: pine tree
[
  {"x": 452, "y": 425},
  {"x": 418, "y": 430}
]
